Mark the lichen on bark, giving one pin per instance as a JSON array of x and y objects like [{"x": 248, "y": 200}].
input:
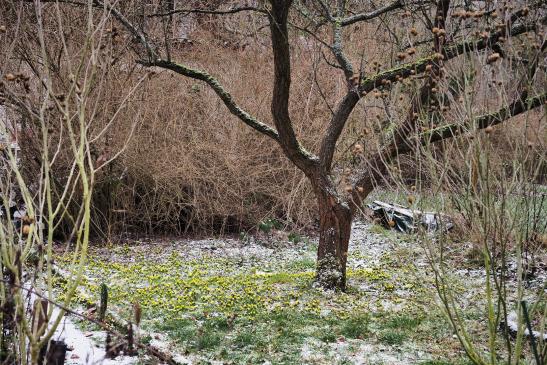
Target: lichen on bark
[{"x": 329, "y": 273}]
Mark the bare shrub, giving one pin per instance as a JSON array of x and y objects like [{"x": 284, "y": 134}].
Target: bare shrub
[
  {"x": 49, "y": 126},
  {"x": 192, "y": 167}
]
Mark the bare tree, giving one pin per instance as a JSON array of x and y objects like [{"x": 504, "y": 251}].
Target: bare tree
[{"x": 449, "y": 29}]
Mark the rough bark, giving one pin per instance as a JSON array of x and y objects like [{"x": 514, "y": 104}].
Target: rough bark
[
  {"x": 294, "y": 151},
  {"x": 335, "y": 219},
  {"x": 334, "y": 214}
]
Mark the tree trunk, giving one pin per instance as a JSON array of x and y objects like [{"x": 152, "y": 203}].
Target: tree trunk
[{"x": 334, "y": 233}]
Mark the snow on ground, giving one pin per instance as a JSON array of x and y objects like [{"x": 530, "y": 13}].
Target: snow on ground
[
  {"x": 85, "y": 348},
  {"x": 369, "y": 248}
]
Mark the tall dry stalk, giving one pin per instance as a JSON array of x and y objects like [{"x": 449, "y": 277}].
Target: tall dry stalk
[
  {"x": 50, "y": 98},
  {"x": 500, "y": 199}
]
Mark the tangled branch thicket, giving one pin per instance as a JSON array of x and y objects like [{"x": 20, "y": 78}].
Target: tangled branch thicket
[{"x": 192, "y": 167}]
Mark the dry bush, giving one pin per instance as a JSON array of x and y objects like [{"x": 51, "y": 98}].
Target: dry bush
[
  {"x": 191, "y": 166},
  {"x": 49, "y": 107}
]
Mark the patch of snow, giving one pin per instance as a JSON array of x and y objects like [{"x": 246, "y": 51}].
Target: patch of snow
[
  {"x": 83, "y": 349},
  {"x": 159, "y": 341},
  {"x": 512, "y": 323},
  {"x": 358, "y": 352}
]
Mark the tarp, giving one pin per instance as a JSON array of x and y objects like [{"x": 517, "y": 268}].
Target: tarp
[{"x": 408, "y": 220}]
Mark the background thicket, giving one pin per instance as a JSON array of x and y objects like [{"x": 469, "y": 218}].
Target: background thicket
[{"x": 192, "y": 167}]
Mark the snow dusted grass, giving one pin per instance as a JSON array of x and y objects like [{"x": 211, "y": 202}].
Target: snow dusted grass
[{"x": 243, "y": 302}]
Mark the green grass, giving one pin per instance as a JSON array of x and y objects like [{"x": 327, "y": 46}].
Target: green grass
[
  {"x": 213, "y": 309},
  {"x": 304, "y": 264},
  {"x": 249, "y": 310},
  {"x": 208, "y": 340},
  {"x": 355, "y": 327},
  {"x": 246, "y": 338},
  {"x": 394, "y": 330},
  {"x": 403, "y": 322},
  {"x": 393, "y": 337},
  {"x": 181, "y": 330},
  {"x": 285, "y": 332}
]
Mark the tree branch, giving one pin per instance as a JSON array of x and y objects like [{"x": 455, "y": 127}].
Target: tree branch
[
  {"x": 335, "y": 128},
  {"x": 379, "y": 161},
  {"x": 518, "y": 106},
  {"x": 423, "y": 97},
  {"x": 205, "y": 11},
  {"x": 336, "y": 49},
  {"x": 419, "y": 66},
  {"x": 281, "y": 90},
  {"x": 397, "y": 4},
  {"x": 224, "y": 95},
  {"x": 346, "y": 106}
]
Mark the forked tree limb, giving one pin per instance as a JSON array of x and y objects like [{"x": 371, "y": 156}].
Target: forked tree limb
[
  {"x": 338, "y": 52},
  {"x": 346, "y": 106},
  {"x": 285, "y": 134},
  {"x": 394, "y": 75},
  {"x": 404, "y": 140}
]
